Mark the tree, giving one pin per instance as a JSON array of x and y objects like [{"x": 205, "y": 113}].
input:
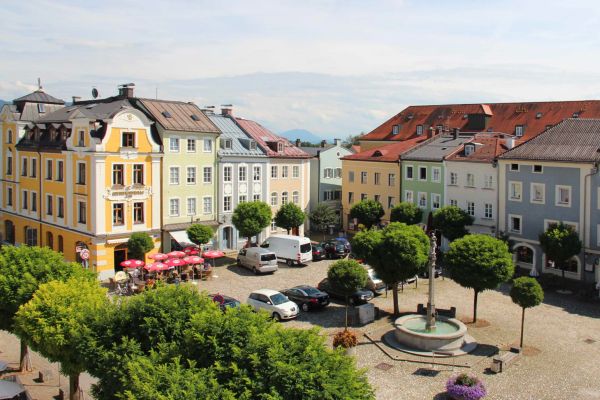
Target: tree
[
  {"x": 407, "y": 213},
  {"x": 289, "y": 216},
  {"x": 367, "y": 212},
  {"x": 323, "y": 216},
  {"x": 346, "y": 277},
  {"x": 251, "y": 218},
  {"x": 365, "y": 242},
  {"x": 479, "y": 262},
  {"x": 560, "y": 243},
  {"x": 352, "y": 140},
  {"x": 56, "y": 320},
  {"x": 22, "y": 270},
  {"x": 526, "y": 292},
  {"x": 200, "y": 234},
  {"x": 401, "y": 253},
  {"x": 451, "y": 222},
  {"x": 139, "y": 244}
]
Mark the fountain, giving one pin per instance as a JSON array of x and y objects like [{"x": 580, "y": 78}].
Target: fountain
[{"x": 431, "y": 335}]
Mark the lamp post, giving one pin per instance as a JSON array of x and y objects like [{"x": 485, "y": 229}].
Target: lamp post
[{"x": 430, "y": 321}]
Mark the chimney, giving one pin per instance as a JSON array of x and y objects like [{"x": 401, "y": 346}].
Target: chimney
[
  {"x": 337, "y": 142},
  {"x": 76, "y": 99},
  {"x": 430, "y": 132},
  {"x": 227, "y": 110},
  {"x": 298, "y": 141},
  {"x": 510, "y": 142},
  {"x": 126, "y": 90},
  {"x": 456, "y": 133},
  {"x": 323, "y": 143}
]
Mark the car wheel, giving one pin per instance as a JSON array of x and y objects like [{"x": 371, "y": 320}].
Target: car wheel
[
  {"x": 304, "y": 307},
  {"x": 289, "y": 262},
  {"x": 255, "y": 270},
  {"x": 277, "y": 317}
]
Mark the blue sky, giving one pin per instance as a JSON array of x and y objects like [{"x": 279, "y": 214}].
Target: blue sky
[{"x": 332, "y": 67}]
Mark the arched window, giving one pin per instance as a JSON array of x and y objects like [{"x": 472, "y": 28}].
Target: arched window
[
  {"x": 296, "y": 197},
  {"x": 9, "y": 138},
  {"x": 284, "y": 198},
  {"x": 524, "y": 255},
  {"x": 50, "y": 240},
  {"x": 61, "y": 244},
  {"x": 9, "y": 163}
]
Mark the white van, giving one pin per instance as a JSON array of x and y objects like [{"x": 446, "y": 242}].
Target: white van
[
  {"x": 289, "y": 248},
  {"x": 257, "y": 259}
]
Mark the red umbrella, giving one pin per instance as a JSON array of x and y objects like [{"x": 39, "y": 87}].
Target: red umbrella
[
  {"x": 176, "y": 254},
  {"x": 193, "y": 260},
  {"x": 158, "y": 256},
  {"x": 175, "y": 262},
  {"x": 130, "y": 264},
  {"x": 157, "y": 266},
  {"x": 213, "y": 254},
  {"x": 191, "y": 250}
]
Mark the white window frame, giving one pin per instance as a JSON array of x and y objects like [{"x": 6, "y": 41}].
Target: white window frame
[
  {"x": 410, "y": 168},
  {"x": 510, "y": 219},
  {"x": 453, "y": 202},
  {"x": 178, "y": 202},
  {"x": 409, "y": 196},
  {"x": 49, "y": 170},
  {"x": 377, "y": 178},
  {"x": 548, "y": 222},
  {"x": 190, "y": 141},
  {"x": 64, "y": 211},
  {"x": 227, "y": 208},
  {"x": 453, "y": 179},
  {"x": 337, "y": 173},
  {"x": 207, "y": 146},
  {"x": 510, "y": 167},
  {"x": 296, "y": 197},
  {"x": 470, "y": 180},
  {"x": 285, "y": 171},
  {"x": 77, "y": 174},
  {"x": 172, "y": 141},
  {"x": 364, "y": 178},
  {"x": 471, "y": 208},
  {"x": 488, "y": 181},
  {"x": 572, "y": 224},
  {"x": 557, "y": 202},
  {"x": 274, "y": 172},
  {"x": 187, "y": 175},
  {"x": 171, "y": 169},
  {"x": 242, "y": 176},
  {"x": 256, "y": 168},
  {"x": 296, "y": 171},
  {"x": 210, "y": 204},
  {"x": 351, "y": 180},
  {"x": 439, "y": 201},
  {"x": 274, "y": 199},
  {"x": 391, "y": 179},
  {"x": 510, "y": 192},
  {"x": 533, "y": 171},
  {"x": 230, "y": 177},
  {"x": 242, "y": 198},
  {"x": 256, "y": 197},
  {"x": 532, "y": 192},
  {"x": 210, "y": 174},
  {"x": 422, "y": 168},
  {"x": 487, "y": 206},
  {"x": 435, "y": 170},
  {"x": 285, "y": 197},
  {"x": 419, "y": 197}
]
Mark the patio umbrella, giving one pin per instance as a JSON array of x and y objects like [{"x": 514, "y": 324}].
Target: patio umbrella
[
  {"x": 130, "y": 264},
  {"x": 156, "y": 266},
  {"x": 175, "y": 262},
  {"x": 191, "y": 251},
  {"x": 9, "y": 389},
  {"x": 212, "y": 254},
  {"x": 176, "y": 254},
  {"x": 192, "y": 260},
  {"x": 158, "y": 256}
]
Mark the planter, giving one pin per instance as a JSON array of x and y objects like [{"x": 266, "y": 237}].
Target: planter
[
  {"x": 465, "y": 387},
  {"x": 350, "y": 351}
]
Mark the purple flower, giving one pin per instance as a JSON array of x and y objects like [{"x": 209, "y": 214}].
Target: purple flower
[{"x": 472, "y": 390}]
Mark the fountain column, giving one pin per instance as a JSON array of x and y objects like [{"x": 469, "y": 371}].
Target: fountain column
[{"x": 430, "y": 321}]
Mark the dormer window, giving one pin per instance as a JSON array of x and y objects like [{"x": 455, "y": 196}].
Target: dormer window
[
  {"x": 252, "y": 145},
  {"x": 41, "y": 108},
  {"x": 419, "y": 130},
  {"x": 227, "y": 144},
  {"x": 128, "y": 139},
  {"x": 377, "y": 153},
  {"x": 519, "y": 130},
  {"x": 81, "y": 139},
  {"x": 575, "y": 115},
  {"x": 395, "y": 130},
  {"x": 469, "y": 149},
  {"x": 279, "y": 147}
]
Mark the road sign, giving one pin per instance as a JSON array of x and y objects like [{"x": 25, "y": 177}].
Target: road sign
[{"x": 84, "y": 254}]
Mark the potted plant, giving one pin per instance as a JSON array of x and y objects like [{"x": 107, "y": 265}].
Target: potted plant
[
  {"x": 347, "y": 340},
  {"x": 465, "y": 387}
]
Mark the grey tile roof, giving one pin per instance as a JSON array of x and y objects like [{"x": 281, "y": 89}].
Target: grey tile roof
[
  {"x": 39, "y": 96},
  {"x": 575, "y": 140},
  {"x": 436, "y": 148},
  {"x": 94, "y": 111},
  {"x": 186, "y": 117},
  {"x": 240, "y": 142},
  {"x": 314, "y": 150}
]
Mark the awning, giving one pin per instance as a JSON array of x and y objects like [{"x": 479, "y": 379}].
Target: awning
[{"x": 182, "y": 238}]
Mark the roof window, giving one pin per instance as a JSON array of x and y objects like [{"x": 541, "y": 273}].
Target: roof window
[
  {"x": 538, "y": 115},
  {"x": 469, "y": 149},
  {"x": 575, "y": 115},
  {"x": 252, "y": 145},
  {"x": 279, "y": 147},
  {"x": 195, "y": 117},
  {"x": 395, "y": 129},
  {"x": 41, "y": 108},
  {"x": 227, "y": 144},
  {"x": 377, "y": 153},
  {"x": 167, "y": 114},
  {"x": 419, "y": 130},
  {"x": 519, "y": 130}
]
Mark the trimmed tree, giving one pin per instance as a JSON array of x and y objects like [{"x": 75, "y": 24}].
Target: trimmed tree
[
  {"x": 479, "y": 262},
  {"x": 200, "y": 234},
  {"x": 365, "y": 242},
  {"x": 451, "y": 222},
  {"x": 346, "y": 277},
  {"x": 367, "y": 212},
  {"x": 139, "y": 244},
  {"x": 251, "y": 218},
  {"x": 526, "y": 292},
  {"x": 560, "y": 243},
  {"x": 407, "y": 213},
  {"x": 22, "y": 270},
  {"x": 289, "y": 216},
  {"x": 401, "y": 253},
  {"x": 57, "y": 319},
  {"x": 323, "y": 216}
]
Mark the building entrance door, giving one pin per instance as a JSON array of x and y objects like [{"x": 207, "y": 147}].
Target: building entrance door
[{"x": 120, "y": 256}]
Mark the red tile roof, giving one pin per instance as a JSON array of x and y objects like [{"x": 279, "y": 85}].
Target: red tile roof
[
  {"x": 386, "y": 153},
  {"x": 265, "y": 139},
  {"x": 502, "y": 117},
  {"x": 489, "y": 146}
]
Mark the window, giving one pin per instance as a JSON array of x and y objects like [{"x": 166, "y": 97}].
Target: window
[
  {"x": 350, "y": 176},
  {"x": 409, "y": 196},
  {"x": 538, "y": 191},
  {"x": 296, "y": 171},
  {"x": 274, "y": 198},
  {"x": 208, "y": 145},
  {"x": 138, "y": 174},
  {"x": 395, "y": 129},
  {"x": 128, "y": 139},
  {"x": 488, "y": 210},
  {"x": 377, "y": 178},
  {"x": 59, "y": 170},
  {"x": 337, "y": 173},
  {"x": 81, "y": 139},
  {"x": 174, "y": 145},
  {"x": 273, "y": 226},
  {"x": 191, "y": 175},
  {"x": 279, "y": 147},
  {"x": 515, "y": 189},
  {"x": 471, "y": 208},
  {"x": 538, "y": 169},
  {"x": 81, "y": 212},
  {"x": 252, "y": 145},
  {"x": 453, "y": 203},
  {"x": 296, "y": 197},
  {"x": 422, "y": 199},
  {"x": 327, "y": 195},
  {"x": 30, "y": 236},
  {"x": 118, "y": 214},
  {"x": 81, "y": 173},
  {"x": 563, "y": 196},
  {"x": 138, "y": 212},
  {"x": 488, "y": 182},
  {"x": 328, "y": 173},
  {"x": 61, "y": 244},
  {"x": 273, "y": 171},
  {"x": 9, "y": 197},
  {"x": 453, "y": 178},
  {"x": 519, "y": 130},
  {"x": 191, "y": 206},
  {"x": 470, "y": 180},
  {"x": 377, "y": 198},
  {"x": 33, "y": 168},
  {"x": 409, "y": 172},
  {"x": 363, "y": 177},
  {"x": 363, "y": 196},
  {"x": 469, "y": 149},
  {"x": 9, "y": 136},
  {"x": 350, "y": 197},
  {"x": 435, "y": 201},
  {"x": 207, "y": 205},
  {"x": 524, "y": 255},
  {"x": 256, "y": 173},
  {"x": 24, "y": 168},
  {"x": 391, "y": 179},
  {"x": 226, "y": 203},
  {"x": 60, "y": 207},
  {"x": 391, "y": 201},
  {"x": 284, "y": 198},
  {"x": 256, "y": 197},
  {"x": 34, "y": 201},
  {"x": 191, "y": 145},
  {"x": 41, "y": 108},
  {"x": 24, "y": 199},
  {"x": 514, "y": 167},
  {"x": 242, "y": 173},
  {"x": 242, "y": 198},
  {"x": 435, "y": 174},
  {"x": 515, "y": 223},
  {"x": 571, "y": 266},
  {"x": 207, "y": 175},
  {"x": 422, "y": 173},
  {"x": 284, "y": 171},
  {"x": 174, "y": 175},
  {"x": 49, "y": 205},
  {"x": 174, "y": 207},
  {"x": 49, "y": 169},
  {"x": 227, "y": 174},
  {"x": 419, "y": 130},
  {"x": 9, "y": 163},
  {"x": 117, "y": 174}
]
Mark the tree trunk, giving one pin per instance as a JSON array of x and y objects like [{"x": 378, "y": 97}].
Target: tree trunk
[
  {"x": 24, "y": 364},
  {"x": 522, "y": 326},
  {"x": 395, "y": 297},
  {"x": 564, "y": 280},
  {"x": 346, "y": 318},
  {"x": 74, "y": 387},
  {"x": 475, "y": 307},
  {"x": 288, "y": 231}
]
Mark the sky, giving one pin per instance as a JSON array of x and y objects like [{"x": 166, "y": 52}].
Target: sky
[{"x": 335, "y": 68}]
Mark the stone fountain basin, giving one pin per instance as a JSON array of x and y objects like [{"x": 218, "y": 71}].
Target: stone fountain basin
[{"x": 430, "y": 341}]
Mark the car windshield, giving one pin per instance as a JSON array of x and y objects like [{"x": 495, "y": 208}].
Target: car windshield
[
  {"x": 278, "y": 298},
  {"x": 373, "y": 275},
  {"x": 268, "y": 257},
  {"x": 305, "y": 248},
  {"x": 232, "y": 303},
  {"x": 317, "y": 247},
  {"x": 311, "y": 291},
  {"x": 340, "y": 247}
]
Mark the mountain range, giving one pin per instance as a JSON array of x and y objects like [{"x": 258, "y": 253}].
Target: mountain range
[{"x": 302, "y": 134}]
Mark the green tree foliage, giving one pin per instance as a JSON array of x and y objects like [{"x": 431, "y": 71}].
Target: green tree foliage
[
  {"x": 322, "y": 216},
  {"x": 367, "y": 212},
  {"x": 451, "y": 222},
  {"x": 527, "y": 293},
  {"x": 560, "y": 243},
  {"x": 22, "y": 270},
  {"x": 289, "y": 216},
  {"x": 139, "y": 244},
  {"x": 479, "y": 262},
  {"x": 200, "y": 234},
  {"x": 346, "y": 276},
  {"x": 407, "y": 213},
  {"x": 58, "y": 318},
  {"x": 251, "y": 218},
  {"x": 401, "y": 253},
  {"x": 365, "y": 242}
]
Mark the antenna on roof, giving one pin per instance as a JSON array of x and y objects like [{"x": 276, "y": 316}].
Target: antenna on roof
[
  {"x": 95, "y": 93},
  {"x": 39, "y": 84}
]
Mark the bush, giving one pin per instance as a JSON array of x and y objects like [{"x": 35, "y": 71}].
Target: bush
[
  {"x": 465, "y": 387},
  {"x": 345, "y": 339},
  {"x": 139, "y": 244}
]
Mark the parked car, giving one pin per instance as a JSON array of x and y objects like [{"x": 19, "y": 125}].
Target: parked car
[
  {"x": 335, "y": 249},
  {"x": 224, "y": 301},
  {"x": 273, "y": 302},
  {"x": 307, "y": 297},
  {"x": 289, "y": 248},
  {"x": 374, "y": 283},
  {"x": 257, "y": 259},
  {"x": 318, "y": 252},
  {"x": 345, "y": 242},
  {"x": 361, "y": 296}
]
